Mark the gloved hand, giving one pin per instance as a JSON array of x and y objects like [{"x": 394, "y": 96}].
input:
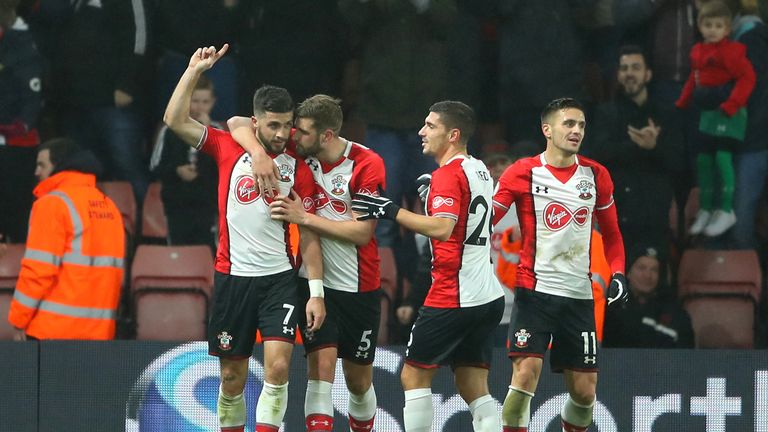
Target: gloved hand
[
  {"x": 374, "y": 207},
  {"x": 424, "y": 182},
  {"x": 618, "y": 291}
]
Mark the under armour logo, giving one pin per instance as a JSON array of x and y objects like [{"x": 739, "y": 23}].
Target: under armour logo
[
  {"x": 540, "y": 189},
  {"x": 379, "y": 212},
  {"x": 319, "y": 422},
  {"x": 288, "y": 330},
  {"x": 590, "y": 359},
  {"x": 247, "y": 159},
  {"x": 313, "y": 164},
  {"x": 360, "y": 354}
]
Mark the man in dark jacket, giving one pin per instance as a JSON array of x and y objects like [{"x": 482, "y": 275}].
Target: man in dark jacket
[
  {"x": 98, "y": 74},
  {"x": 650, "y": 319},
  {"x": 751, "y": 159},
  {"x": 638, "y": 141},
  {"x": 20, "y": 103}
]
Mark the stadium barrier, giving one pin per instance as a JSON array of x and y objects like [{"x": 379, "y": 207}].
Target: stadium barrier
[{"x": 153, "y": 386}]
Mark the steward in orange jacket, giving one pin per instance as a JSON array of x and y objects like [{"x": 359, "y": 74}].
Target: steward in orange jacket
[
  {"x": 509, "y": 257},
  {"x": 72, "y": 269}
]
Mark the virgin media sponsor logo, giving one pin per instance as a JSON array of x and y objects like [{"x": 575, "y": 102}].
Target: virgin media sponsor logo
[
  {"x": 322, "y": 200},
  {"x": 439, "y": 201},
  {"x": 246, "y": 190},
  {"x": 557, "y": 216}
]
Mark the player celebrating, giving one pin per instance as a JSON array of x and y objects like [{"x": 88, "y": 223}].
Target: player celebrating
[
  {"x": 255, "y": 280},
  {"x": 555, "y": 194},
  {"x": 350, "y": 260},
  {"x": 465, "y": 302}
]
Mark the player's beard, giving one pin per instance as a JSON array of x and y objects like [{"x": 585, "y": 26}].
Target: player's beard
[
  {"x": 271, "y": 145},
  {"x": 312, "y": 150}
]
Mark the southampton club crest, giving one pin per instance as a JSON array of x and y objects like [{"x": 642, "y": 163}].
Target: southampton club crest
[
  {"x": 521, "y": 338},
  {"x": 285, "y": 172},
  {"x": 338, "y": 183},
  {"x": 585, "y": 189},
  {"x": 225, "y": 341}
]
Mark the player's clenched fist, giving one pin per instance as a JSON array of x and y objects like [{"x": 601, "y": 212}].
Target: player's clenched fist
[{"x": 618, "y": 291}]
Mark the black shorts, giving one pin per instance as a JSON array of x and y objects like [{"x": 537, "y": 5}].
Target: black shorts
[
  {"x": 454, "y": 336},
  {"x": 351, "y": 323},
  {"x": 569, "y": 323},
  {"x": 242, "y": 305}
]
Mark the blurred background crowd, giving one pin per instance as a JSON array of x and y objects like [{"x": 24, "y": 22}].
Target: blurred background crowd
[{"x": 101, "y": 72}]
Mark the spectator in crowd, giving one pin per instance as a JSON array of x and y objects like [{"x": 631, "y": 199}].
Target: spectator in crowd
[
  {"x": 538, "y": 62},
  {"x": 751, "y": 159},
  {"x": 404, "y": 67},
  {"x": 98, "y": 73},
  {"x": 720, "y": 83},
  {"x": 188, "y": 176},
  {"x": 181, "y": 27},
  {"x": 650, "y": 320},
  {"x": 639, "y": 142},
  {"x": 20, "y": 103},
  {"x": 306, "y": 43},
  {"x": 671, "y": 35},
  {"x": 72, "y": 269}
]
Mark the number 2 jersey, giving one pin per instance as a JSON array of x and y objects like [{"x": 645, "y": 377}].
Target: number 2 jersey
[
  {"x": 251, "y": 243},
  {"x": 462, "y": 271},
  {"x": 555, "y": 207}
]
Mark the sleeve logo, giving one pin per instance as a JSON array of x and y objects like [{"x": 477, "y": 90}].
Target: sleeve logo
[{"x": 439, "y": 201}]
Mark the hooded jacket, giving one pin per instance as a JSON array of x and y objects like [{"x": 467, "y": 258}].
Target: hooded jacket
[{"x": 72, "y": 269}]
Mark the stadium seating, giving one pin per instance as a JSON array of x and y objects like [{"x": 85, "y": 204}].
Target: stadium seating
[
  {"x": 121, "y": 193},
  {"x": 720, "y": 290},
  {"x": 171, "y": 288},
  {"x": 10, "y": 265},
  {"x": 153, "y": 222}
]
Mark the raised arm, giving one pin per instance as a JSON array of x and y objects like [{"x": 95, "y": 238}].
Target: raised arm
[{"x": 177, "y": 112}]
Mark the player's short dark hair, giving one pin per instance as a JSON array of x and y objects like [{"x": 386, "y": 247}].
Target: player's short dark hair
[
  {"x": 203, "y": 83},
  {"x": 715, "y": 9},
  {"x": 634, "y": 50},
  {"x": 457, "y": 115},
  {"x": 560, "y": 104},
  {"x": 269, "y": 98},
  {"x": 61, "y": 149},
  {"x": 325, "y": 111}
]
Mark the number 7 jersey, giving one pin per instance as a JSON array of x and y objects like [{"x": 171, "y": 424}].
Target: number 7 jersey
[{"x": 462, "y": 271}]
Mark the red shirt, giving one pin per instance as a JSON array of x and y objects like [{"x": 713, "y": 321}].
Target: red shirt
[{"x": 716, "y": 64}]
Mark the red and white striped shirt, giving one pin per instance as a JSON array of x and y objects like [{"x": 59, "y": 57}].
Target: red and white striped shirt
[
  {"x": 346, "y": 266},
  {"x": 462, "y": 272},
  {"x": 250, "y": 242},
  {"x": 555, "y": 208}
]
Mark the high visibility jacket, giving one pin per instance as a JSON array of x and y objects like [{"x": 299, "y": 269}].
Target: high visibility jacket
[
  {"x": 72, "y": 269},
  {"x": 509, "y": 257}
]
